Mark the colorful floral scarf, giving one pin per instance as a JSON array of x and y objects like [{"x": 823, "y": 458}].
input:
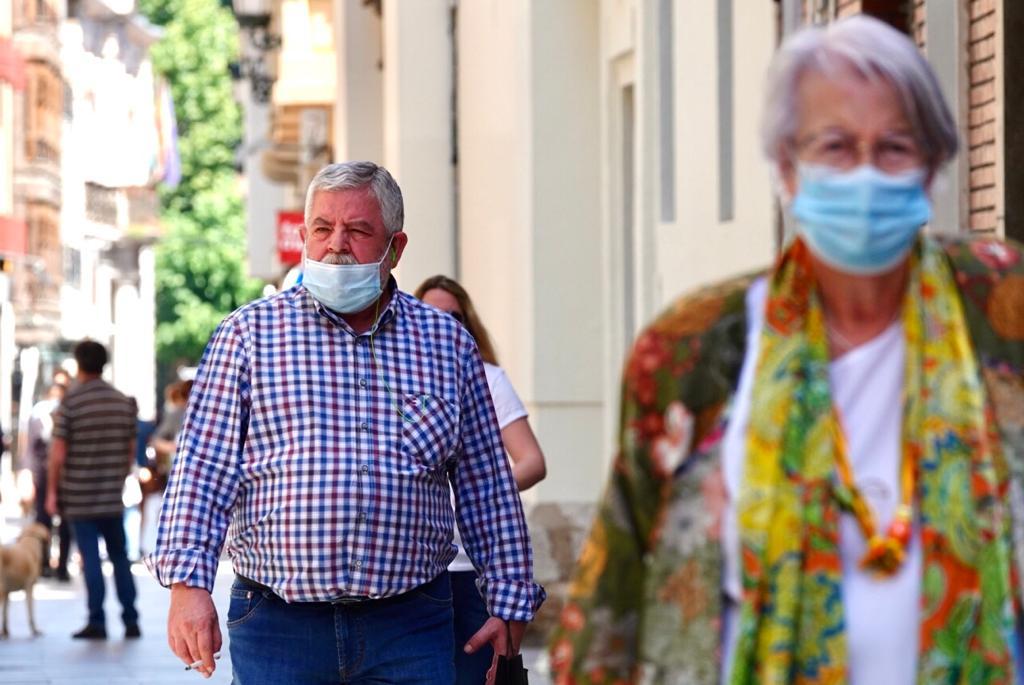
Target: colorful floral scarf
[{"x": 791, "y": 618}]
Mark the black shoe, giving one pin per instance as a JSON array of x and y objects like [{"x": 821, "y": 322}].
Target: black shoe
[
  {"x": 62, "y": 576},
  {"x": 91, "y": 632},
  {"x": 132, "y": 631}
]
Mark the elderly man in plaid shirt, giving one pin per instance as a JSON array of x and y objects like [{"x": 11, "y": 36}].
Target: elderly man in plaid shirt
[{"x": 325, "y": 429}]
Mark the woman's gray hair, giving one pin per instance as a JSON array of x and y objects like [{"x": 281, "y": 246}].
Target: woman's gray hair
[
  {"x": 874, "y": 50},
  {"x": 345, "y": 175}
]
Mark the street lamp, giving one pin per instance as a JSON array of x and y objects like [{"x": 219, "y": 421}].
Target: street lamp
[{"x": 253, "y": 18}]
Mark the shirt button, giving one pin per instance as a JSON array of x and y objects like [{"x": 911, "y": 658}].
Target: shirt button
[
  {"x": 362, "y": 382},
  {"x": 362, "y": 516},
  {"x": 357, "y": 564},
  {"x": 363, "y": 427},
  {"x": 364, "y": 468}
]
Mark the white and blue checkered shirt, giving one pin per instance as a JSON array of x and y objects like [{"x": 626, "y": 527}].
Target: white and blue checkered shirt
[{"x": 330, "y": 456}]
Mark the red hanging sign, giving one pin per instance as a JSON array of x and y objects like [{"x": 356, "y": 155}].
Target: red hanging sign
[{"x": 289, "y": 242}]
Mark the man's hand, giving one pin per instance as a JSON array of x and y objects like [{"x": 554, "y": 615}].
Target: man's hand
[
  {"x": 493, "y": 631},
  {"x": 192, "y": 629}
]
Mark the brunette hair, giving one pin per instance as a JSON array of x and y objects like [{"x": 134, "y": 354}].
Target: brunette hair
[
  {"x": 179, "y": 391},
  {"x": 472, "y": 320}
]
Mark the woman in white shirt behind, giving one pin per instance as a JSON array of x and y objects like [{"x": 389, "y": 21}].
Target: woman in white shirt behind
[{"x": 527, "y": 467}]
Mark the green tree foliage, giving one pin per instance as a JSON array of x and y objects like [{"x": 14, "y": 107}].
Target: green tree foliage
[{"x": 200, "y": 263}]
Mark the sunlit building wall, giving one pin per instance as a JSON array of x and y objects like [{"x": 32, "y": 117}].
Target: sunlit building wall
[
  {"x": 579, "y": 164},
  {"x": 13, "y": 230},
  {"x": 111, "y": 210}
]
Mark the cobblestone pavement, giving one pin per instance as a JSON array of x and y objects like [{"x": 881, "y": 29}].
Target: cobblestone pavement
[{"x": 55, "y": 659}]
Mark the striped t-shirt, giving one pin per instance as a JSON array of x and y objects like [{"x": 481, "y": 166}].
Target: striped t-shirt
[{"x": 98, "y": 425}]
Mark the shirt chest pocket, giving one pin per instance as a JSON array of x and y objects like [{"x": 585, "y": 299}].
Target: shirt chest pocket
[{"x": 430, "y": 428}]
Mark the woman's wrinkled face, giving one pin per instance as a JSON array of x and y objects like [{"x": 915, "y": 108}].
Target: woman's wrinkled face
[
  {"x": 845, "y": 121},
  {"x": 445, "y": 301}
]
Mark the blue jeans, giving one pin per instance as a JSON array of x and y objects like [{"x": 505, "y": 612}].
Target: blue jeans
[
  {"x": 87, "y": 534},
  {"x": 402, "y": 639},
  {"x": 470, "y": 615}
]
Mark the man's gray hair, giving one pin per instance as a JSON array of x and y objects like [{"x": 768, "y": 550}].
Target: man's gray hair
[
  {"x": 346, "y": 175},
  {"x": 874, "y": 50}
]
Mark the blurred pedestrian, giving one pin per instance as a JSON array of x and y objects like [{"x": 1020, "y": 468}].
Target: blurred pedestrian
[
  {"x": 326, "y": 425},
  {"x": 528, "y": 469},
  {"x": 61, "y": 377},
  {"x": 154, "y": 473},
  {"x": 39, "y": 433},
  {"x": 818, "y": 471},
  {"x": 92, "y": 451},
  {"x": 164, "y": 439}
]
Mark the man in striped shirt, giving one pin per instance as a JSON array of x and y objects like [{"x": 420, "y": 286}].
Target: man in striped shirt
[
  {"x": 92, "y": 451},
  {"x": 324, "y": 427}
]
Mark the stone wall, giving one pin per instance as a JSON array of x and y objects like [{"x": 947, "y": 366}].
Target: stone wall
[{"x": 558, "y": 530}]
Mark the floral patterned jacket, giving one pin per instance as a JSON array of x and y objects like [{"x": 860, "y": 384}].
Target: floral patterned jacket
[{"x": 645, "y": 603}]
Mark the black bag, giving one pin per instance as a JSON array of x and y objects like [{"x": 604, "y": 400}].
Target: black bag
[{"x": 510, "y": 669}]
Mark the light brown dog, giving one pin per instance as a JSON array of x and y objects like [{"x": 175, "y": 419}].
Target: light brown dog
[{"x": 20, "y": 566}]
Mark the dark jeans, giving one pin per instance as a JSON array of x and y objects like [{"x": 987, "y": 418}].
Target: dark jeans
[
  {"x": 87, "y": 534},
  {"x": 403, "y": 639},
  {"x": 470, "y": 615},
  {"x": 39, "y": 478}
]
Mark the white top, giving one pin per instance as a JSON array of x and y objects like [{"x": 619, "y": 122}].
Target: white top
[
  {"x": 508, "y": 408},
  {"x": 882, "y": 616},
  {"x": 40, "y": 423}
]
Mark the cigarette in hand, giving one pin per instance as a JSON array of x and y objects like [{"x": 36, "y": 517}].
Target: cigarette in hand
[{"x": 196, "y": 664}]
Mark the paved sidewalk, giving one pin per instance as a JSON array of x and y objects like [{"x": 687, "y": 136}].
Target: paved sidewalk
[{"x": 55, "y": 659}]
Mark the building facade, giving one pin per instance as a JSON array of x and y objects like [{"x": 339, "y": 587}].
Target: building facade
[
  {"x": 36, "y": 274},
  {"x": 110, "y": 220},
  {"x": 578, "y": 164},
  {"x": 13, "y": 230},
  {"x": 86, "y": 131}
]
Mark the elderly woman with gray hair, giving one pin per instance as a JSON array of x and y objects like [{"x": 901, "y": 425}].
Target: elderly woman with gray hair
[{"x": 819, "y": 475}]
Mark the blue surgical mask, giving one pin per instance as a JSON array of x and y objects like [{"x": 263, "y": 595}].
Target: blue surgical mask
[
  {"x": 862, "y": 221},
  {"x": 344, "y": 288}
]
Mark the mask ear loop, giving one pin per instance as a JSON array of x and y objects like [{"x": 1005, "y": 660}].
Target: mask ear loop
[{"x": 380, "y": 373}]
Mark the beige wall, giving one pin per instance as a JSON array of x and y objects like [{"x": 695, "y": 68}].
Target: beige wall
[
  {"x": 567, "y": 301},
  {"x": 533, "y": 222},
  {"x": 529, "y": 203},
  {"x": 495, "y": 240},
  {"x": 699, "y": 248},
  {"x": 306, "y": 63},
  {"x": 358, "y": 123},
  {"x": 417, "y": 84}
]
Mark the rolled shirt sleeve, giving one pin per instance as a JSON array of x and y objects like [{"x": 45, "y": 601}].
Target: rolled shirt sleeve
[
  {"x": 204, "y": 480},
  {"x": 488, "y": 509}
]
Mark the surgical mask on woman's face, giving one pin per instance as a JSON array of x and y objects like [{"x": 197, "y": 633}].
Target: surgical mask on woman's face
[
  {"x": 344, "y": 288},
  {"x": 863, "y": 221}
]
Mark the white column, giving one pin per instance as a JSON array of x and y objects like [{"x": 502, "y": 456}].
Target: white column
[
  {"x": 125, "y": 353},
  {"x": 358, "y": 110},
  {"x": 145, "y": 335},
  {"x": 417, "y": 132},
  {"x": 566, "y": 251},
  {"x": 8, "y": 352},
  {"x": 530, "y": 208},
  {"x": 530, "y": 242},
  {"x": 263, "y": 197}
]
